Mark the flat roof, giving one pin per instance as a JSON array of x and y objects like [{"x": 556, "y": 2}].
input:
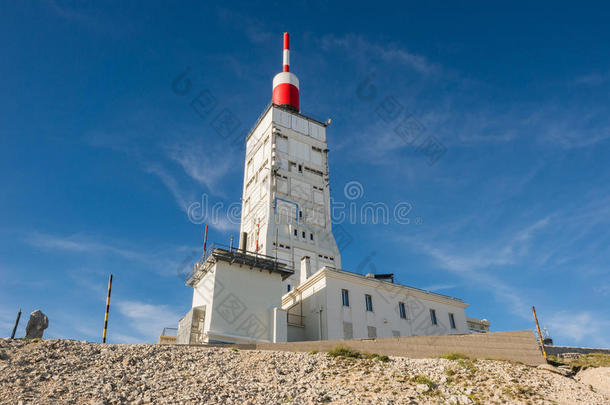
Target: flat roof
[
  {"x": 243, "y": 258},
  {"x": 391, "y": 283}
]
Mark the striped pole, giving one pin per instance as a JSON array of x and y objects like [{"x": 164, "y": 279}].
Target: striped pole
[
  {"x": 539, "y": 334},
  {"x": 286, "y": 54},
  {"x": 107, "y": 309}
]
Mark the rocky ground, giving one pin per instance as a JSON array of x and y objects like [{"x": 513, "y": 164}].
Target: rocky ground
[{"x": 59, "y": 371}]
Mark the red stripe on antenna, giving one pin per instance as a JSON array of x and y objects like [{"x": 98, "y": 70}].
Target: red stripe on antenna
[{"x": 286, "y": 40}]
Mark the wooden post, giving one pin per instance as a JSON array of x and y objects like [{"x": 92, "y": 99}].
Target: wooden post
[
  {"x": 16, "y": 324},
  {"x": 539, "y": 334},
  {"x": 107, "y": 309}
]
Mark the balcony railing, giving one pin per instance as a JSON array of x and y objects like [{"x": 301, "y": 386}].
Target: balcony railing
[{"x": 295, "y": 320}]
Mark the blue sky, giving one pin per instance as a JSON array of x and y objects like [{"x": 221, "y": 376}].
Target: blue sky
[{"x": 100, "y": 157}]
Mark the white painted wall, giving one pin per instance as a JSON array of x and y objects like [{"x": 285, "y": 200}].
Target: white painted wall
[
  {"x": 385, "y": 316},
  {"x": 278, "y": 198},
  {"x": 242, "y": 302}
]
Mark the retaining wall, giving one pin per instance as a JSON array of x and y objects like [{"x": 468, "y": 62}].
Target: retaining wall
[{"x": 518, "y": 346}]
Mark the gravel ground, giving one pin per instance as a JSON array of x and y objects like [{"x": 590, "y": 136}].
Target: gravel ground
[{"x": 60, "y": 371}]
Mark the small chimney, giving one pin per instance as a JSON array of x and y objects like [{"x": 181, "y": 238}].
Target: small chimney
[
  {"x": 243, "y": 241},
  {"x": 305, "y": 268}
]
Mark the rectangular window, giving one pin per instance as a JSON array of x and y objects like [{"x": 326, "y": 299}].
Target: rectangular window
[
  {"x": 345, "y": 297},
  {"x": 296, "y": 233},
  {"x": 311, "y": 236},
  {"x": 402, "y": 310},
  {"x": 348, "y": 330},
  {"x": 288, "y": 288},
  {"x": 303, "y": 234},
  {"x": 372, "y": 332},
  {"x": 452, "y": 321},
  {"x": 433, "y": 316},
  {"x": 396, "y": 333},
  {"x": 368, "y": 300}
]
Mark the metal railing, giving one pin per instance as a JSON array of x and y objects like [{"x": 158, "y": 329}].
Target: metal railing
[
  {"x": 171, "y": 332},
  {"x": 295, "y": 319},
  {"x": 240, "y": 255}
]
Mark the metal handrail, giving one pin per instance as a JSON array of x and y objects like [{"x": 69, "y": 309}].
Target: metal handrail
[
  {"x": 299, "y": 321},
  {"x": 278, "y": 264}
]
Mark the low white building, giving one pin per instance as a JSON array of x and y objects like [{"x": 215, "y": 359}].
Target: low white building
[
  {"x": 476, "y": 325},
  {"x": 236, "y": 299},
  {"x": 337, "y": 304}
]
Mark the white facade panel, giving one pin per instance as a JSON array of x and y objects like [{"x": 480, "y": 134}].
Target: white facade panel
[{"x": 300, "y": 124}]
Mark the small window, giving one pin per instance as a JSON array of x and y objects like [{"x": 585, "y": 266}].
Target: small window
[
  {"x": 288, "y": 287},
  {"x": 452, "y": 321},
  {"x": 296, "y": 233},
  {"x": 311, "y": 236},
  {"x": 372, "y": 332},
  {"x": 402, "y": 310},
  {"x": 433, "y": 317},
  {"x": 303, "y": 234},
  {"x": 300, "y": 168},
  {"x": 368, "y": 300},
  {"x": 348, "y": 330},
  {"x": 300, "y": 214},
  {"x": 345, "y": 297},
  {"x": 396, "y": 333}
]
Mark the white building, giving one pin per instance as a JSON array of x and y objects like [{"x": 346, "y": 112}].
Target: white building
[{"x": 284, "y": 282}]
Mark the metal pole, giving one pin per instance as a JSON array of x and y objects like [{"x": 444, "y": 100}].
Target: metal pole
[
  {"x": 539, "y": 334},
  {"x": 205, "y": 240},
  {"x": 107, "y": 309},
  {"x": 16, "y": 323},
  {"x": 231, "y": 244}
]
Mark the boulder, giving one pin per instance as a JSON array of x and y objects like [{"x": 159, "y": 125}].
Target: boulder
[{"x": 36, "y": 325}]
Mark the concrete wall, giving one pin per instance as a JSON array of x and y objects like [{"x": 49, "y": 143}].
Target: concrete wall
[
  {"x": 518, "y": 346},
  {"x": 558, "y": 350},
  {"x": 243, "y": 302}
]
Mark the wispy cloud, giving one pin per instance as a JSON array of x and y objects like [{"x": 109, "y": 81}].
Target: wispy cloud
[
  {"x": 592, "y": 79},
  {"x": 147, "y": 320},
  {"x": 362, "y": 49},
  {"x": 204, "y": 163},
  {"x": 164, "y": 261},
  {"x": 575, "y": 326}
]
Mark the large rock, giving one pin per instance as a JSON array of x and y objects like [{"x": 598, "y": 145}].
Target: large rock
[
  {"x": 596, "y": 377},
  {"x": 36, "y": 325}
]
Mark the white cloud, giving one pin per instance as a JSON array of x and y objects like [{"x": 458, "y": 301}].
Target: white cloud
[
  {"x": 164, "y": 261},
  {"x": 359, "y": 48},
  {"x": 204, "y": 164},
  {"x": 575, "y": 326},
  {"x": 148, "y": 320}
]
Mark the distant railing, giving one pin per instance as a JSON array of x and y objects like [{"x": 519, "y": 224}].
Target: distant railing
[
  {"x": 295, "y": 319},
  {"x": 172, "y": 332}
]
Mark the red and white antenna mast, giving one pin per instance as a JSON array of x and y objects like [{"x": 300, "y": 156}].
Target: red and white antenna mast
[{"x": 286, "y": 84}]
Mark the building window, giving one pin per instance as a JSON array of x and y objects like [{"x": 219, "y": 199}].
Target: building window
[
  {"x": 372, "y": 332},
  {"x": 296, "y": 233},
  {"x": 402, "y": 310},
  {"x": 303, "y": 233},
  {"x": 368, "y": 300},
  {"x": 345, "y": 297},
  {"x": 348, "y": 330},
  {"x": 452, "y": 321},
  {"x": 433, "y": 317},
  {"x": 300, "y": 168},
  {"x": 396, "y": 333},
  {"x": 311, "y": 236},
  {"x": 288, "y": 288}
]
